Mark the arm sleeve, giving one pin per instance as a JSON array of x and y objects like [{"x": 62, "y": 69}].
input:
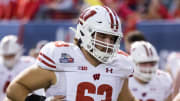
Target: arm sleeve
[
  {"x": 34, "y": 97},
  {"x": 169, "y": 85}
]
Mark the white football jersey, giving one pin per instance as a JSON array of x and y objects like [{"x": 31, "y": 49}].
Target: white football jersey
[
  {"x": 158, "y": 89},
  {"x": 173, "y": 62},
  {"x": 6, "y": 75},
  {"x": 77, "y": 79}
]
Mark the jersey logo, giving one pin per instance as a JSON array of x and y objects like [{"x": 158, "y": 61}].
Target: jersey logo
[
  {"x": 144, "y": 94},
  {"x": 96, "y": 76},
  {"x": 153, "y": 89},
  {"x": 109, "y": 70},
  {"x": 66, "y": 58},
  {"x": 83, "y": 68}
]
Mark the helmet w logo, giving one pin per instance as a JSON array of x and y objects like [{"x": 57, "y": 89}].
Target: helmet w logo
[{"x": 86, "y": 15}]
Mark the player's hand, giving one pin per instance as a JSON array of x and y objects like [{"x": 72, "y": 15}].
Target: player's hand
[{"x": 56, "y": 98}]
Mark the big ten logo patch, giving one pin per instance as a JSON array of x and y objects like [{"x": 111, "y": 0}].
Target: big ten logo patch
[{"x": 83, "y": 68}]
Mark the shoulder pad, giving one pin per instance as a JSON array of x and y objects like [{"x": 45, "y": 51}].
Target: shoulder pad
[
  {"x": 125, "y": 65},
  {"x": 47, "y": 58}
]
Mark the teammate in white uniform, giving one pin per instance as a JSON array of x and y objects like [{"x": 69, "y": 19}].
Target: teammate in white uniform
[
  {"x": 173, "y": 63},
  {"x": 173, "y": 67},
  {"x": 11, "y": 61},
  {"x": 92, "y": 69},
  {"x": 149, "y": 83}
]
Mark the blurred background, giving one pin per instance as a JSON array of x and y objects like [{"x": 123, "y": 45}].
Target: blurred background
[{"x": 36, "y": 20}]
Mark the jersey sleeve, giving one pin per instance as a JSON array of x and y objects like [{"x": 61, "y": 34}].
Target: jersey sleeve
[
  {"x": 169, "y": 83},
  {"x": 125, "y": 64},
  {"x": 166, "y": 81},
  {"x": 131, "y": 67},
  {"x": 46, "y": 58}
]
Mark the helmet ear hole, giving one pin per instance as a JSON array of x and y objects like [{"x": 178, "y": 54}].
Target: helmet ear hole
[
  {"x": 78, "y": 42},
  {"x": 82, "y": 34},
  {"x": 92, "y": 35}
]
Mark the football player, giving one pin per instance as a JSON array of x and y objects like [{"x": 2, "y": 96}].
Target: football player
[
  {"x": 173, "y": 63},
  {"x": 149, "y": 83},
  {"x": 92, "y": 69},
  {"x": 11, "y": 61}
]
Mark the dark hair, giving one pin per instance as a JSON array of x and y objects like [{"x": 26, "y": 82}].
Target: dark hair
[{"x": 135, "y": 36}]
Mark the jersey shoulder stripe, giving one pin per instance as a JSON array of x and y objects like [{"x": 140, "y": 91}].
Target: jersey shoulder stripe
[
  {"x": 122, "y": 53},
  {"x": 50, "y": 55},
  {"x": 45, "y": 63},
  {"x": 46, "y": 57}
]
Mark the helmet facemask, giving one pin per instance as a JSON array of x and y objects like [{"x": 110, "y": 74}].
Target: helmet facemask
[
  {"x": 145, "y": 73},
  {"x": 101, "y": 50}
]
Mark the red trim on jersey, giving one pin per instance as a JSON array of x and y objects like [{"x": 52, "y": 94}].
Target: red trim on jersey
[
  {"x": 123, "y": 53},
  {"x": 47, "y": 64},
  {"x": 61, "y": 44},
  {"x": 111, "y": 17},
  {"x": 47, "y": 58}
]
